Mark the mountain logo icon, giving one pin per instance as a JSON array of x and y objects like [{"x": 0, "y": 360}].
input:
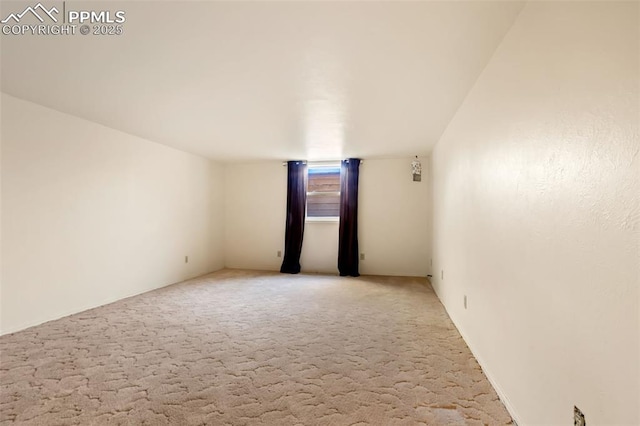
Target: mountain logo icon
[{"x": 38, "y": 11}]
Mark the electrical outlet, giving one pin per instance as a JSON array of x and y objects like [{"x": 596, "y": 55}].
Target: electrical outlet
[
  {"x": 578, "y": 417},
  {"x": 465, "y": 301},
  {"x": 279, "y": 254},
  {"x": 431, "y": 261},
  {"x": 442, "y": 274},
  {"x": 361, "y": 256},
  {"x": 186, "y": 259}
]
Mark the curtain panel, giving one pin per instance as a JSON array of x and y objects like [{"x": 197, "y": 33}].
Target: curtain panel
[
  {"x": 348, "y": 264},
  {"x": 296, "y": 206}
]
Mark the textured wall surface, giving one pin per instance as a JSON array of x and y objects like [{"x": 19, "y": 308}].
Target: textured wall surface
[
  {"x": 91, "y": 215},
  {"x": 536, "y": 197},
  {"x": 255, "y": 214},
  {"x": 393, "y": 234}
]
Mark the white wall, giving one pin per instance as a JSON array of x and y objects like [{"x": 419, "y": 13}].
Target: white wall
[
  {"x": 536, "y": 215},
  {"x": 393, "y": 234},
  {"x": 320, "y": 248},
  {"x": 91, "y": 215},
  {"x": 255, "y": 207}
]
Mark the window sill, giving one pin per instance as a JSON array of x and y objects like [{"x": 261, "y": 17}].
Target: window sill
[{"x": 322, "y": 219}]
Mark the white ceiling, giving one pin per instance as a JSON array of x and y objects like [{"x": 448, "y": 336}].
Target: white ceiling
[{"x": 267, "y": 80}]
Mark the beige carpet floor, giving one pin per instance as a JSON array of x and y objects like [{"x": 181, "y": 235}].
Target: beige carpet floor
[{"x": 243, "y": 348}]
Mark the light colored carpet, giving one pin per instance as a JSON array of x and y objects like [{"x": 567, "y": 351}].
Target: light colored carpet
[{"x": 242, "y": 348}]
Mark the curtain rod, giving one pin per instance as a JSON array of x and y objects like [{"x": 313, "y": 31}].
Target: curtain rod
[{"x": 284, "y": 163}]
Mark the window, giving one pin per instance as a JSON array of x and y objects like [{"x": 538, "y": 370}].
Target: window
[{"x": 323, "y": 191}]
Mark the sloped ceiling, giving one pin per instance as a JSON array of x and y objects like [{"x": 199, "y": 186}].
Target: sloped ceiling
[{"x": 266, "y": 80}]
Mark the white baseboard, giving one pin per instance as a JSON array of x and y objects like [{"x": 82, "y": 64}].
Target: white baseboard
[{"x": 492, "y": 379}]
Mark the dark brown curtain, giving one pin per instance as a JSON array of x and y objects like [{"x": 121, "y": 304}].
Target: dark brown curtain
[
  {"x": 296, "y": 205},
  {"x": 348, "y": 238}
]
